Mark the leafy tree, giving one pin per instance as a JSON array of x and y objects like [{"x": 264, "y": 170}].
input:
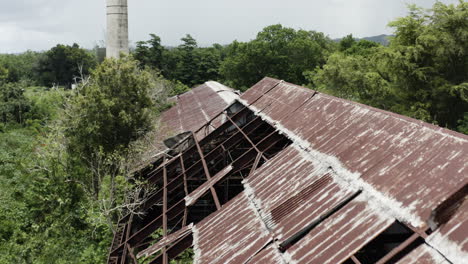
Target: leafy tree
[
  {"x": 277, "y": 52},
  {"x": 428, "y": 58},
  {"x": 3, "y": 74},
  {"x": 20, "y": 67},
  {"x": 45, "y": 216},
  {"x": 61, "y": 64},
  {"x": 346, "y": 42},
  {"x": 150, "y": 53},
  {"x": 109, "y": 112},
  {"x": 13, "y": 103},
  {"x": 186, "y": 67},
  {"x": 423, "y": 73},
  {"x": 186, "y": 63}
]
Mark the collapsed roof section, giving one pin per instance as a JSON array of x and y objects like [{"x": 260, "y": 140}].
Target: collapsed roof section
[
  {"x": 289, "y": 175},
  {"x": 198, "y": 106}
]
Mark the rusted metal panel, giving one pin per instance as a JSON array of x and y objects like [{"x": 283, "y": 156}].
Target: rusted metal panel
[
  {"x": 293, "y": 193},
  {"x": 269, "y": 255},
  {"x": 423, "y": 255},
  {"x": 231, "y": 235},
  {"x": 456, "y": 229},
  {"x": 451, "y": 239},
  {"x": 414, "y": 163},
  {"x": 259, "y": 89},
  {"x": 350, "y": 172},
  {"x": 198, "y": 106},
  {"x": 278, "y": 106},
  {"x": 340, "y": 236}
]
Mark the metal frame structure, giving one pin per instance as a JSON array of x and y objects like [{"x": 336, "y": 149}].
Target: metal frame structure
[
  {"x": 289, "y": 174},
  {"x": 196, "y": 182}
]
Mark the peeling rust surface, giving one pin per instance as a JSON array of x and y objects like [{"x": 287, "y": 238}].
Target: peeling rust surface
[
  {"x": 231, "y": 235},
  {"x": 417, "y": 164},
  {"x": 350, "y": 172},
  {"x": 269, "y": 255},
  {"x": 423, "y": 255},
  {"x": 292, "y": 193},
  {"x": 453, "y": 236},
  {"x": 338, "y": 237}
]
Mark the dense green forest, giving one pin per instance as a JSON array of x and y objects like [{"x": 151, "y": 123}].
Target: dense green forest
[{"x": 65, "y": 153}]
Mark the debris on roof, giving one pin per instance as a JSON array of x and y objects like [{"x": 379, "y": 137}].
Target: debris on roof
[{"x": 285, "y": 174}]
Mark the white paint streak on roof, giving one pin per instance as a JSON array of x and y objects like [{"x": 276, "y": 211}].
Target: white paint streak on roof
[{"x": 226, "y": 93}]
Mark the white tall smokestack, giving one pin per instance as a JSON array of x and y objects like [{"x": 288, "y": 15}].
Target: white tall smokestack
[{"x": 117, "y": 28}]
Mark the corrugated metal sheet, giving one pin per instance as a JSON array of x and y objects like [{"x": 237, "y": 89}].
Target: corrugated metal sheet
[
  {"x": 351, "y": 171},
  {"x": 452, "y": 237},
  {"x": 423, "y": 255},
  {"x": 196, "y": 107},
  {"x": 231, "y": 235},
  {"x": 340, "y": 236},
  {"x": 416, "y": 164},
  {"x": 269, "y": 255},
  {"x": 292, "y": 193}
]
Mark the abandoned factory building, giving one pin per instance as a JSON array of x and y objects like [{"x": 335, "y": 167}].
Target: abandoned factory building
[{"x": 285, "y": 174}]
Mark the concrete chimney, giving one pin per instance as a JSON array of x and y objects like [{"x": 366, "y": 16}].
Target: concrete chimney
[{"x": 117, "y": 28}]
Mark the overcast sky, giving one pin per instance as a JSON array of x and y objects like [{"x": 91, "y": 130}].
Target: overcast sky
[{"x": 41, "y": 24}]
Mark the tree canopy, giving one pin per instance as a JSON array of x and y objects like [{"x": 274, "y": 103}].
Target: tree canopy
[
  {"x": 61, "y": 64},
  {"x": 277, "y": 52},
  {"x": 423, "y": 73}
]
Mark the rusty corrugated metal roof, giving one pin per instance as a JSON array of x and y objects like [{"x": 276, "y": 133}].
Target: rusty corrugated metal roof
[
  {"x": 232, "y": 235},
  {"x": 423, "y": 255},
  {"x": 196, "y": 107},
  {"x": 351, "y": 179}
]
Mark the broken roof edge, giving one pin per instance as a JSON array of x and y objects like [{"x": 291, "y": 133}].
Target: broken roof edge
[{"x": 435, "y": 128}]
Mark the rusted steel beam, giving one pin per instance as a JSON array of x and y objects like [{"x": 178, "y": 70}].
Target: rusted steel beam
[
  {"x": 176, "y": 249},
  {"x": 124, "y": 255},
  {"x": 398, "y": 249},
  {"x": 143, "y": 233},
  {"x": 154, "y": 179},
  {"x": 214, "y": 134},
  {"x": 208, "y": 176},
  {"x": 245, "y": 158},
  {"x": 422, "y": 232},
  {"x": 244, "y": 134},
  {"x": 125, "y": 237},
  {"x": 240, "y": 113},
  {"x": 231, "y": 141},
  {"x": 132, "y": 254},
  {"x": 355, "y": 260},
  {"x": 166, "y": 241},
  {"x": 115, "y": 241},
  {"x": 256, "y": 162},
  {"x": 200, "y": 191},
  {"x": 184, "y": 221},
  {"x": 164, "y": 211}
]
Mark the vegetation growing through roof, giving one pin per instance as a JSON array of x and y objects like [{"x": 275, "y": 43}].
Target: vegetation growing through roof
[{"x": 59, "y": 181}]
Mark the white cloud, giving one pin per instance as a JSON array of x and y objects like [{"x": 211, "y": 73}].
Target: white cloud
[{"x": 41, "y": 24}]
